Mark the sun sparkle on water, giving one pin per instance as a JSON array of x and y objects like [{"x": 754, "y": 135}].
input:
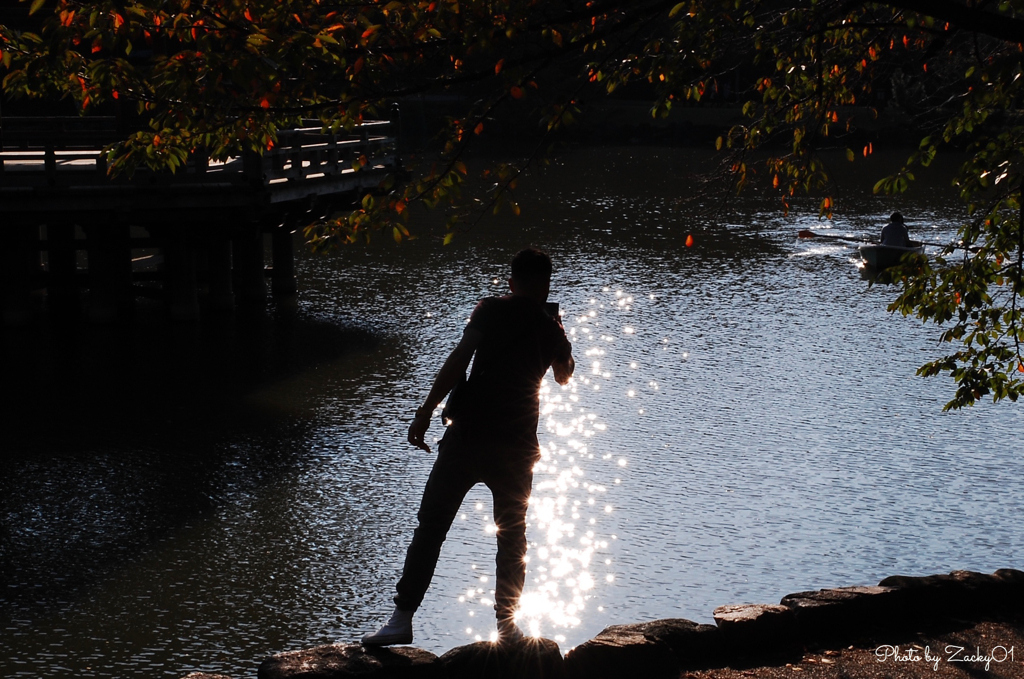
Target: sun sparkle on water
[{"x": 569, "y": 566}]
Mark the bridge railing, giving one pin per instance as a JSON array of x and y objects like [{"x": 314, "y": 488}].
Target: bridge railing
[{"x": 52, "y": 152}]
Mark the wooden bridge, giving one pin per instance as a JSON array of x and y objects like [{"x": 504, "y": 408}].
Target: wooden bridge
[{"x": 195, "y": 237}]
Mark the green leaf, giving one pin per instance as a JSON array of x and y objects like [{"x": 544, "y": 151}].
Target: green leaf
[
  {"x": 36, "y": 5},
  {"x": 677, "y": 9}
]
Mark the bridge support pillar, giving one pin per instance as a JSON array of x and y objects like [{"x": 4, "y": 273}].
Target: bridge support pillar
[
  {"x": 19, "y": 272},
  {"x": 282, "y": 281},
  {"x": 221, "y": 296},
  {"x": 63, "y": 293},
  {"x": 182, "y": 289},
  {"x": 110, "y": 272},
  {"x": 249, "y": 268}
]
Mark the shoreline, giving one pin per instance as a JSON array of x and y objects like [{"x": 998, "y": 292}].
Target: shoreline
[{"x": 824, "y": 630}]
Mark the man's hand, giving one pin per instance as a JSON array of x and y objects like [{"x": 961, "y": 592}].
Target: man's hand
[
  {"x": 564, "y": 366},
  {"x": 563, "y": 370},
  {"x": 417, "y": 430},
  {"x": 452, "y": 371}
]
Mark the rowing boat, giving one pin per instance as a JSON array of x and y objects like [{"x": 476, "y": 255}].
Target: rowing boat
[{"x": 884, "y": 256}]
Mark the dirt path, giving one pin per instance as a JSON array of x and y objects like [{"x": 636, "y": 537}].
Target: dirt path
[{"x": 986, "y": 650}]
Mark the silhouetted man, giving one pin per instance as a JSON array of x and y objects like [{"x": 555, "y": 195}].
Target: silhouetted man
[{"x": 491, "y": 438}]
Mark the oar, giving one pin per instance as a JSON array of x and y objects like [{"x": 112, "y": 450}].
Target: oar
[{"x": 810, "y": 234}]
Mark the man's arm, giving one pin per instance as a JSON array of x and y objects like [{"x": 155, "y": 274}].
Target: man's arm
[
  {"x": 563, "y": 365},
  {"x": 453, "y": 369}
]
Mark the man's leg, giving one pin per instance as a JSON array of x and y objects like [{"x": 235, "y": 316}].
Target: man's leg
[
  {"x": 510, "y": 487},
  {"x": 450, "y": 479}
]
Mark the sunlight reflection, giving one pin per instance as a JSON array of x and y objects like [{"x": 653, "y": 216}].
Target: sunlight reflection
[
  {"x": 568, "y": 560},
  {"x": 570, "y": 521}
]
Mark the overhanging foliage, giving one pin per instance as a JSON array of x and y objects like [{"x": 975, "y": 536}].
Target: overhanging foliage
[{"x": 225, "y": 75}]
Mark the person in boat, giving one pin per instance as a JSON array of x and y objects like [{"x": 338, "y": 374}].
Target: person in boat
[
  {"x": 895, "y": 232},
  {"x": 491, "y": 438}
]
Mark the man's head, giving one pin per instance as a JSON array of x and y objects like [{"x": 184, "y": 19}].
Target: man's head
[
  {"x": 531, "y": 274},
  {"x": 896, "y": 218}
]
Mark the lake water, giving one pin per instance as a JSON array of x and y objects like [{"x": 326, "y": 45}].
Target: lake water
[{"x": 744, "y": 423}]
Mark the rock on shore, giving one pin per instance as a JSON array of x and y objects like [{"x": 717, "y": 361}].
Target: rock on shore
[
  {"x": 349, "y": 660},
  {"x": 743, "y": 634}
]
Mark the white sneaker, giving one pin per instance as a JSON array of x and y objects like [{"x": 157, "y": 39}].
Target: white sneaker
[{"x": 398, "y": 630}]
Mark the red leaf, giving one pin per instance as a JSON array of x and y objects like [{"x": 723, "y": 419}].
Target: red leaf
[{"x": 689, "y": 240}]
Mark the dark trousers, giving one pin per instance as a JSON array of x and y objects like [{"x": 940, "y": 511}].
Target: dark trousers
[{"x": 461, "y": 463}]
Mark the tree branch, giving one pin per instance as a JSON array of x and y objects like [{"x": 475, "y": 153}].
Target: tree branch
[{"x": 1001, "y": 26}]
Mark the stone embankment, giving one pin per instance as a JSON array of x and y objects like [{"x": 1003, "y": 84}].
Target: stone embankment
[{"x": 744, "y": 635}]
